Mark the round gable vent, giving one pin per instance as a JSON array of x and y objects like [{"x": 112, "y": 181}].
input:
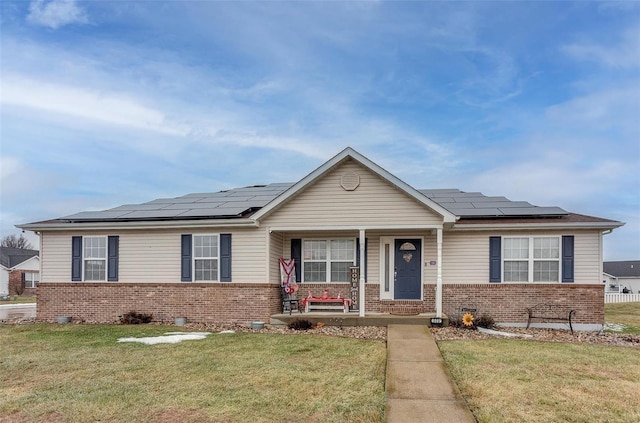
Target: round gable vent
[{"x": 350, "y": 181}]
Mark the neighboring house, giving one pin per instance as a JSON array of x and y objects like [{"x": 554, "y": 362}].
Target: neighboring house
[
  {"x": 19, "y": 271},
  {"x": 622, "y": 276},
  {"x": 214, "y": 257}
]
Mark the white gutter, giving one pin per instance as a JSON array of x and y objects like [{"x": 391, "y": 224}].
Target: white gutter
[
  {"x": 520, "y": 226},
  {"x": 165, "y": 224},
  {"x": 352, "y": 228}
]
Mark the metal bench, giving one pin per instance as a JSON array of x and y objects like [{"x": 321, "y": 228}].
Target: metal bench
[{"x": 551, "y": 312}]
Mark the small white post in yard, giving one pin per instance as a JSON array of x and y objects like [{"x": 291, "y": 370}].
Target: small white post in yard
[{"x": 363, "y": 264}]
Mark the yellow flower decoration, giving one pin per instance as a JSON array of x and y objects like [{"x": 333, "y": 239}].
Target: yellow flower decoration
[{"x": 467, "y": 319}]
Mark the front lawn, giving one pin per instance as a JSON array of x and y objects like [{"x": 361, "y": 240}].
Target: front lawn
[
  {"x": 526, "y": 381},
  {"x": 20, "y": 299},
  {"x": 80, "y": 373},
  {"x": 623, "y": 316}
]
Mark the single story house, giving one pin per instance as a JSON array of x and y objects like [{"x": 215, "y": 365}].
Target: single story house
[
  {"x": 622, "y": 276},
  {"x": 214, "y": 257},
  {"x": 19, "y": 271}
]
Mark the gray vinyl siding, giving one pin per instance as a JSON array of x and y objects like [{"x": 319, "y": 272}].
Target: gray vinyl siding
[
  {"x": 466, "y": 254},
  {"x": 55, "y": 256},
  {"x": 374, "y": 202},
  {"x": 154, "y": 255},
  {"x": 277, "y": 251}
]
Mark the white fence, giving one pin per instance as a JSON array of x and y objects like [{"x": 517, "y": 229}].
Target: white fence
[{"x": 621, "y": 298}]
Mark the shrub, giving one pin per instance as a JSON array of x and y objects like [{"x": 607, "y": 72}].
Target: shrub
[
  {"x": 135, "y": 318},
  {"x": 20, "y": 287},
  {"x": 485, "y": 321},
  {"x": 300, "y": 324}
]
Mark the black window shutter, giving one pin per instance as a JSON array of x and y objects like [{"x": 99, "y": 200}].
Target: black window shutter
[
  {"x": 366, "y": 245},
  {"x": 76, "y": 258},
  {"x": 225, "y": 257},
  {"x": 296, "y": 254},
  {"x": 495, "y": 259},
  {"x": 112, "y": 254},
  {"x": 24, "y": 278},
  {"x": 186, "y": 258},
  {"x": 567, "y": 258}
]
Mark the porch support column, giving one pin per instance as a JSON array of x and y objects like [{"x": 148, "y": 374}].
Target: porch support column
[
  {"x": 363, "y": 264},
  {"x": 439, "y": 273},
  {"x": 268, "y": 256}
]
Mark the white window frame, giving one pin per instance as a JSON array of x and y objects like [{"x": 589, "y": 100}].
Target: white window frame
[
  {"x": 105, "y": 259},
  {"x": 328, "y": 259},
  {"x": 531, "y": 260},
  {"x": 194, "y": 258},
  {"x": 30, "y": 280},
  {"x": 387, "y": 260}
]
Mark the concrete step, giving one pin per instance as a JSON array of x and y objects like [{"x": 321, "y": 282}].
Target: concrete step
[{"x": 354, "y": 319}]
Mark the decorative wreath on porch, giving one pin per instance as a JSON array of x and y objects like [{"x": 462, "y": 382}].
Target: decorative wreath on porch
[{"x": 467, "y": 319}]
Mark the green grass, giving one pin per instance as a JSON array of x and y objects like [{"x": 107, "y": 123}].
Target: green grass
[
  {"x": 525, "y": 381},
  {"x": 79, "y": 373},
  {"x": 20, "y": 299},
  {"x": 625, "y": 314}
]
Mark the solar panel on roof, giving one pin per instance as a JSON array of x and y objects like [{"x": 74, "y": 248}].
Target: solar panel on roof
[
  {"x": 92, "y": 215},
  {"x": 535, "y": 211},
  {"x": 503, "y": 204},
  {"x": 478, "y": 212},
  {"x": 178, "y": 200},
  {"x": 149, "y": 214},
  {"x": 132, "y": 207},
  {"x": 190, "y": 206},
  {"x": 234, "y": 202},
  {"x": 219, "y": 212},
  {"x": 231, "y": 198}
]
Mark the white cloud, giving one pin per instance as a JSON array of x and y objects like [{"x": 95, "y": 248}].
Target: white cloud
[
  {"x": 555, "y": 179},
  {"x": 603, "y": 109},
  {"x": 8, "y": 167},
  {"x": 622, "y": 55},
  {"x": 55, "y": 13},
  {"x": 108, "y": 108}
]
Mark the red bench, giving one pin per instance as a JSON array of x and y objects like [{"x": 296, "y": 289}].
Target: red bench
[{"x": 326, "y": 303}]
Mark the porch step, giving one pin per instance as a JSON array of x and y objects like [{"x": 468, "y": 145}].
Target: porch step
[{"x": 353, "y": 319}]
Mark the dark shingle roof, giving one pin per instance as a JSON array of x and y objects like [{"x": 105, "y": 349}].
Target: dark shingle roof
[
  {"x": 10, "y": 257},
  {"x": 622, "y": 269}
]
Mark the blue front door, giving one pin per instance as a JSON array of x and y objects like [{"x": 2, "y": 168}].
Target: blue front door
[{"x": 408, "y": 269}]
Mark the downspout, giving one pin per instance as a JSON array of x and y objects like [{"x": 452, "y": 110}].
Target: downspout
[
  {"x": 363, "y": 264},
  {"x": 602, "y": 234},
  {"x": 439, "y": 273}
]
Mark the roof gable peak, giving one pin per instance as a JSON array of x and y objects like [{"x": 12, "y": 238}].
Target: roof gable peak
[{"x": 338, "y": 159}]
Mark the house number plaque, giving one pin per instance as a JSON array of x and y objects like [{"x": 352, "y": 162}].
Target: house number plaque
[{"x": 354, "y": 286}]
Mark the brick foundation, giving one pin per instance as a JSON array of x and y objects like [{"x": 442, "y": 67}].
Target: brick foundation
[
  {"x": 198, "y": 302},
  {"x": 243, "y": 303},
  {"x": 507, "y": 303}
]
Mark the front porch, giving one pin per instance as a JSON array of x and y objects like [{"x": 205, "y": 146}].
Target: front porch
[{"x": 354, "y": 319}]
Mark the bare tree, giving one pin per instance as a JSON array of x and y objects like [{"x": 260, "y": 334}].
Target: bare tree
[{"x": 13, "y": 241}]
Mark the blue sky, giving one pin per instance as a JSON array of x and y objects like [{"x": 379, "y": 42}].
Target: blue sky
[{"x": 108, "y": 103}]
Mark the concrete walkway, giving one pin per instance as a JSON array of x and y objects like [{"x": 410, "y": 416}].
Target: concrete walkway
[{"x": 418, "y": 385}]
